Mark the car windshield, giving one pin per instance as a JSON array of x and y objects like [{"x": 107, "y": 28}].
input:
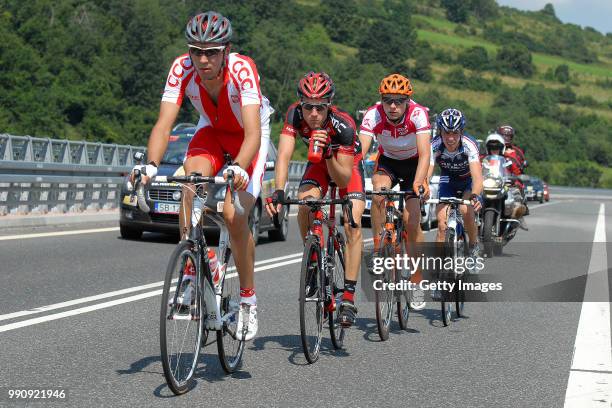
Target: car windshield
[{"x": 177, "y": 147}]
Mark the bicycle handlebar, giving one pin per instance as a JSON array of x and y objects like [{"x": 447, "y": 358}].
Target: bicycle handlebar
[
  {"x": 318, "y": 203},
  {"x": 449, "y": 200},
  {"x": 198, "y": 179}
]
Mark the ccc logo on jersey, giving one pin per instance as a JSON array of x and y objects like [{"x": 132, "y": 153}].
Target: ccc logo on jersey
[
  {"x": 178, "y": 70},
  {"x": 244, "y": 75}
]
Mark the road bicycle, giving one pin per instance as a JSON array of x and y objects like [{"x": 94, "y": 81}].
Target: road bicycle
[
  {"x": 455, "y": 247},
  {"x": 322, "y": 274},
  {"x": 392, "y": 243},
  {"x": 196, "y": 300}
]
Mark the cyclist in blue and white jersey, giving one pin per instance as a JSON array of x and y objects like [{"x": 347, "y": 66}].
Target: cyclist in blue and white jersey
[{"x": 460, "y": 172}]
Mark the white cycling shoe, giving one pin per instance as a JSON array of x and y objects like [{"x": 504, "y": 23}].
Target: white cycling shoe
[
  {"x": 418, "y": 299},
  {"x": 247, "y": 322}
]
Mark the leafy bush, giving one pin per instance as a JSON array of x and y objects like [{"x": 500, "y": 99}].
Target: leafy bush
[{"x": 515, "y": 59}]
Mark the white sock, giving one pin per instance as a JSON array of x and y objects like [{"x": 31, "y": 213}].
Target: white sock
[{"x": 251, "y": 300}]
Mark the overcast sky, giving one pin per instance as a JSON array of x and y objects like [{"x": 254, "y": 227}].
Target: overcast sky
[{"x": 593, "y": 13}]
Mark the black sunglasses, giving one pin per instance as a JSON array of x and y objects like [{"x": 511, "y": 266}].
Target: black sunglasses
[
  {"x": 208, "y": 52},
  {"x": 396, "y": 101},
  {"x": 320, "y": 107}
]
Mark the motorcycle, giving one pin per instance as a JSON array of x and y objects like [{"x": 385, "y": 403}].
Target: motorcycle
[{"x": 497, "y": 227}]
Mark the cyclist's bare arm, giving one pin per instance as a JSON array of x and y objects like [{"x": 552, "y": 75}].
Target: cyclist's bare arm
[
  {"x": 340, "y": 168},
  {"x": 158, "y": 140},
  {"x": 366, "y": 143},
  {"x": 430, "y": 171},
  {"x": 424, "y": 150},
  {"x": 476, "y": 173},
  {"x": 251, "y": 122},
  {"x": 252, "y": 135},
  {"x": 286, "y": 146}
]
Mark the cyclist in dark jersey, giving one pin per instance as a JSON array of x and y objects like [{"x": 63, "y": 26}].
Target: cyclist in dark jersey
[
  {"x": 314, "y": 116},
  {"x": 461, "y": 173}
]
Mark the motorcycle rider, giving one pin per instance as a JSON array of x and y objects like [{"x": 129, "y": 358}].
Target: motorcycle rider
[{"x": 495, "y": 144}]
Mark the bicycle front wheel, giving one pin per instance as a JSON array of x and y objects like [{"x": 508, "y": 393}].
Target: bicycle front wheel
[
  {"x": 181, "y": 318},
  {"x": 402, "y": 296},
  {"x": 384, "y": 297},
  {"x": 311, "y": 300},
  {"x": 336, "y": 277},
  {"x": 450, "y": 251},
  {"x": 230, "y": 348}
]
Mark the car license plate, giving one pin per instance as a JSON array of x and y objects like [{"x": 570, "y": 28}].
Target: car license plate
[
  {"x": 368, "y": 204},
  {"x": 167, "y": 208},
  {"x": 220, "y": 206}
]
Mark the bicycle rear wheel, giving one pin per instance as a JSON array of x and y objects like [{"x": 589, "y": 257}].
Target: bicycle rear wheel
[
  {"x": 311, "y": 300},
  {"x": 384, "y": 298},
  {"x": 336, "y": 277},
  {"x": 181, "y": 319},
  {"x": 229, "y": 347}
]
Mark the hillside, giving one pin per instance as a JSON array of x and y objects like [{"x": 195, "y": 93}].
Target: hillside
[{"x": 94, "y": 70}]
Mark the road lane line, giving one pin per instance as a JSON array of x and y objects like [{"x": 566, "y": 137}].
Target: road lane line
[
  {"x": 57, "y": 234},
  {"x": 87, "y": 299},
  {"x": 590, "y": 378},
  {"x": 30, "y": 322}
]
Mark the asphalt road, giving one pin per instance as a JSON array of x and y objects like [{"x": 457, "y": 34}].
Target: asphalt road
[{"x": 505, "y": 354}]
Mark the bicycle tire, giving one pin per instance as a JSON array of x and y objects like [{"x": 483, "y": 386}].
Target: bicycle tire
[
  {"x": 173, "y": 364},
  {"x": 384, "y": 298},
  {"x": 403, "y": 296},
  {"x": 229, "y": 348},
  {"x": 311, "y": 294},
  {"x": 460, "y": 293},
  {"x": 336, "y": 331},
  {"x": 449, "y": 251}
]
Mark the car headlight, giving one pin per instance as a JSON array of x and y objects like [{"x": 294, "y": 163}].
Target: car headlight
[{"x": 491, "y": 183}]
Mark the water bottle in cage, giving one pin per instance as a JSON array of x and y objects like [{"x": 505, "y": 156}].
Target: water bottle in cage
[{"x": 215, "y": 268}]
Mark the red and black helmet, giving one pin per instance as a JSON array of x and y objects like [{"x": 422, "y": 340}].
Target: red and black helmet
[
  {"x": 507, "y": 132},
  {"x": 316, "y": 85}
]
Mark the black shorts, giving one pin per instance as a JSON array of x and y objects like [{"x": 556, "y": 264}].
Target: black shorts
[{"x": 398, "y": 169}]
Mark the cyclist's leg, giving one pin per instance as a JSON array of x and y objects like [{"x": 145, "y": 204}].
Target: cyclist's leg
[
  {"x": 354, "y": 245},
  {"x": 204, "y": 156},
  {"x": 238, "y": 224},
  {"x": 314, "y": 184},
  {"x": 441, "y": 214},
  {"x": 382, "y": 178},
  {"x": 445, "y": 189},
  {"x": 469, "y": 218}
]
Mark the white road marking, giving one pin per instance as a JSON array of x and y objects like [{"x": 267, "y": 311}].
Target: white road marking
[
  {"x": 590, "y": 378},
  {"x": 29, "y": 322},
  {"x": 57, "y": 234}
]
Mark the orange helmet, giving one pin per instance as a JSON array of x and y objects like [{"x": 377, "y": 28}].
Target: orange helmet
[{"x": 395, "y": 84}]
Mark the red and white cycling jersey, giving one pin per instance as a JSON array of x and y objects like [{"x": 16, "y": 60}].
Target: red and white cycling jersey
[
  {"x": 240, "y": 88},
  {"x": 397, "y": 142},
  {"x": 220, "y": 129}
]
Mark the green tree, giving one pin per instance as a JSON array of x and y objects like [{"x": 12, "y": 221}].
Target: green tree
[
  {"x": 582, "y": 174},
  {"x": 456, "y": 10},
  {"x": 566, "y": 95},
  {"x": 475, "y": 58},
  {"x": 515, "y": 59},
  {"x": 562, "y": 73}
]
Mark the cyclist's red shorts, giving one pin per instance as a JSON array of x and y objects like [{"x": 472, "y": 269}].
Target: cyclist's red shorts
[
  {"x": 316, "y": 174},
  {"x": 213, "y": 144}
]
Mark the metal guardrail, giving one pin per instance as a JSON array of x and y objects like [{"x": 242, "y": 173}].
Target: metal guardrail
[{"x": 41, "y": 175}]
